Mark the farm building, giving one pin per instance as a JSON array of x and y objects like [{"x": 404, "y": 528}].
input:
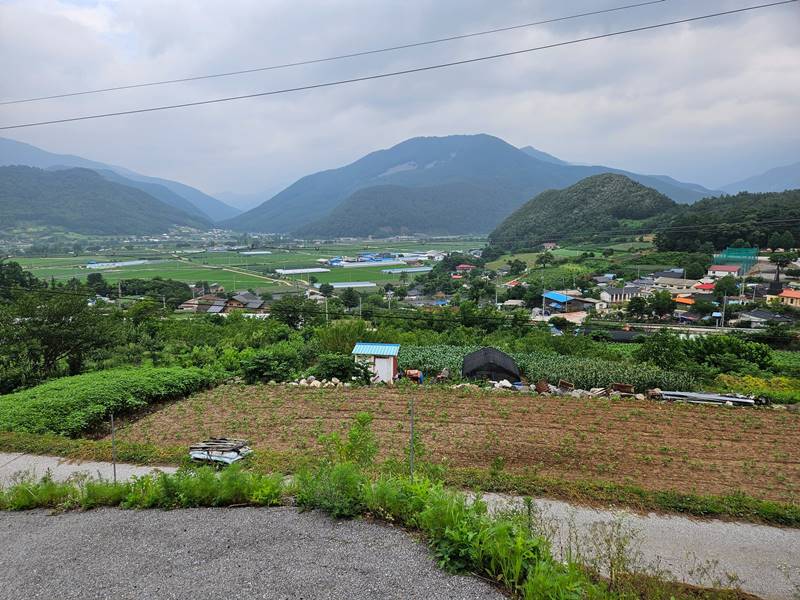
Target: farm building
[
  {"x": 380, "y": 358},
  {"x": 490, "y": 363},
  {"x": 343, "y": 285}
]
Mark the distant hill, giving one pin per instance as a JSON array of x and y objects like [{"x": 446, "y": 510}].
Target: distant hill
[
  {"x": 82, "y": 201},
  {"x": 774, "y": 180},
  {"x": 13, "y": 152},
  {"x": 388, "y": 210},
  {"x": 593, "y": 208},
  {"x": 479, "y": 161},
  {"x": 748, "y": 216}
]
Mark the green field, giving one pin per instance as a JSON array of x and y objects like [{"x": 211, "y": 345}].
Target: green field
[{"x": 232, "y": 269}]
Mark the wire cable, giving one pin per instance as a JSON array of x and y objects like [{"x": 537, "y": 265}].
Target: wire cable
[
  {"x": 333, "y": 58},
  {"x": 395, "y": 73}
]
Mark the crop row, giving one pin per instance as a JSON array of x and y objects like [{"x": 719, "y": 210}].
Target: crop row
[
  {"x": 585, "y": 373},
  {"x": 74, "y": 405}
]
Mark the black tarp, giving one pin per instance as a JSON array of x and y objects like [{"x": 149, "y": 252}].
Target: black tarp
[{"x": 490, "y": 363}]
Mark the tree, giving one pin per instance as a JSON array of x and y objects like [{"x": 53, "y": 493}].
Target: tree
[
  {"x": 781, "y": 260},
  {"x": 637, "y": 307},
  {"x": 787, "y": 240},
  {"x": 350, "y": 298},
  {"x": 661, "y": 303},
  {"x": 326, "y": 289},
  {"x": 403, "y": 277},
  {"x": 663, "y": 348},
  {"x": 516, "y": 266},
  {"x": 96, "y": 283},
  {"x": 726, "y": 286},
  {"x": 695, "y": 270},
  {"x": 41, "y": 329},
  {"x": 774, "y": 240},
  {"x": 545, "y": 258}
]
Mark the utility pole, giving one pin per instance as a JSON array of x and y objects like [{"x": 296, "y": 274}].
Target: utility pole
[
  {"x": 164, "y": 302},
  {"x": 724, "y": 304},
  {"x": 411, "y": 439},
  {"x": 113, "y": 449}
]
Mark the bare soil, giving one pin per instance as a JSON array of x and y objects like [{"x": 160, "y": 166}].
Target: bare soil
[{"x": 658, "y": 446}]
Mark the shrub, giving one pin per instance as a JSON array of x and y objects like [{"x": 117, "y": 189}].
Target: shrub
[
  {"x": 728, "y": 353},
  {"x": 360, "y": 447},
  {"x": 74, "y": 405},
  {"x": 337, "y": 489},
  {"x": 281, "y": 362},
  {"x": 341, "y": 366}
]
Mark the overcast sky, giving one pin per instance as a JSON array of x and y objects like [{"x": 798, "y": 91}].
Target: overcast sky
[{"x": 709, "y": 102}]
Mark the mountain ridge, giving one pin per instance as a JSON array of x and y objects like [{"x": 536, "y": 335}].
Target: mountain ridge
[
  {"x": 13, "y": 152},
  {"x": 482, "y": 160},
  {"x": 81, "y": 200}
]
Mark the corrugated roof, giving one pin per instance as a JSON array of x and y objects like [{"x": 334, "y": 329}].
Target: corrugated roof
[
  {"x": 789, "y": 293},
  {"x": 556, "y": 297},
  {"x": 374, "y": 349}
]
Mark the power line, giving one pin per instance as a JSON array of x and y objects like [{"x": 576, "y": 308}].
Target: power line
[
  {"x": 333, "y": 58},
  {"x": 396, "y": 73}
]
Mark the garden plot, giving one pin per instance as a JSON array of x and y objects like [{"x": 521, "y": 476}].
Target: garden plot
[{"x": 687, "y": 448}]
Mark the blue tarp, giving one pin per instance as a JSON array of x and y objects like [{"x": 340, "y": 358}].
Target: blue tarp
[{"x": 556, "y": 297}]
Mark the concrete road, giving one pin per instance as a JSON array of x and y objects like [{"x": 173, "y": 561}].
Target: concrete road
[
  {"x": 236, "y": 553},
  {"x": 62, "y": 468},
  {"x": 766, "y": 560}
]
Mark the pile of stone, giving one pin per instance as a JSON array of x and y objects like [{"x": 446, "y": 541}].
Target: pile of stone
[
  {"x": 543, "y": 388},
  {"x": 313, "y": 382}
]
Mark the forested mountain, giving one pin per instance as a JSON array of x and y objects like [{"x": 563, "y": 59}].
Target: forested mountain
[
  {"x": 82, "y": 201},
  {"x": 778, "y": 179},
  {"x": 722, "y": 221},
  {"x": 512, "y": 176},
  {"x": 446, "y": 209},
  {"x": 13, "y": 152},
  {"x": 594, "y": 208}
]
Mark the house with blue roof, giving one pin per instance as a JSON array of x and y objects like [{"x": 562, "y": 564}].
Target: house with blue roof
[{"x": 380, "y": 358}]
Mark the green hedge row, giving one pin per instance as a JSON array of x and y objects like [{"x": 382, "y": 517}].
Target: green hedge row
[{"x": 75, "y": 405}]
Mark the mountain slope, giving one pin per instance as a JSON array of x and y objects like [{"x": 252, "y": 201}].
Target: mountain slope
[
  {"x": 774, "y": 180},
  {"x": 749, "y": 216},
  {"x": 13, "y": 152},
  {"x": 388, "y": 210},
  {"x": 82, "y": 201},
  {"x": 596, "y": 206},
  {"x": 543, "y": 156},
  {"x": 513, "y": 175}
]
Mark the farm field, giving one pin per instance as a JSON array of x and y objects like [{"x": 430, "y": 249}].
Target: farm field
[
  {"x": 209, "y": 266},
  {"x": 695, "y": 449}
]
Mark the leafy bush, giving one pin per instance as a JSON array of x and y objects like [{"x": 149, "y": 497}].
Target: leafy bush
[
  {"x": 341, "y": 366},
  {"x": 74, "y": 405},
  {"x": 728, "y": 353},
  {"x": 281, "y": 362},
  {"x": 360, "y": 447},
  {"x": 337, "y": 489}
]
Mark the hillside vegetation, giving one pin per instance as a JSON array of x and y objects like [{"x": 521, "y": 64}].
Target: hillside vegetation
[
  {"x": 81, "y": 201},
  {"x": 722, "y": 221},
  {"x": 512, "y": 175},
  {"x": 592, "y": 209},
  {"x": 387, "y": 210}
]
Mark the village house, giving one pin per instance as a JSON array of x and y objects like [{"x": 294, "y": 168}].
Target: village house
[
  {"x": 202, "y": 303},
  {"x": 613, "y": 295},
  {"x": 548, "y": 246},
  {"x": 244, "y": 301},
  {"x": 676, "y": 285},
  {"x": 789, "y": 297},
  {"x": 464, "y": 268},
  {"x": 759, "y": 318},
  {"x": 724, "y": 270},
  {"x": 513, "y": 304}
]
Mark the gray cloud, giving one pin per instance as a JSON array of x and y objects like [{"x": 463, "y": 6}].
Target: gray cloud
[{"x": 709, "y": 102}]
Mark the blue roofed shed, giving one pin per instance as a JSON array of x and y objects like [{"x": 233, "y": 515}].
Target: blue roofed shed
[{"x": 380, "y": 358}]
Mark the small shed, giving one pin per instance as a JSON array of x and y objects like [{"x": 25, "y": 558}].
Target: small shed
[
  {"x": 490, "y": 363},
  {"x": 380, "y": 358}
]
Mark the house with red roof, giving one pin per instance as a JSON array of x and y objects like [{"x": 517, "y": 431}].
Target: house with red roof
[
  {"x": 464, "y": 268},
  {"x": 724, "y": 270}
]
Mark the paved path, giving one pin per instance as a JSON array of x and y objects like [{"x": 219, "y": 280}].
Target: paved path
[
  {"x": 195, "y": 554},
  {"x": 61, "y": 468},
  {"x": 760, "y": 556},
  {"x": 765, "y": 559}
]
